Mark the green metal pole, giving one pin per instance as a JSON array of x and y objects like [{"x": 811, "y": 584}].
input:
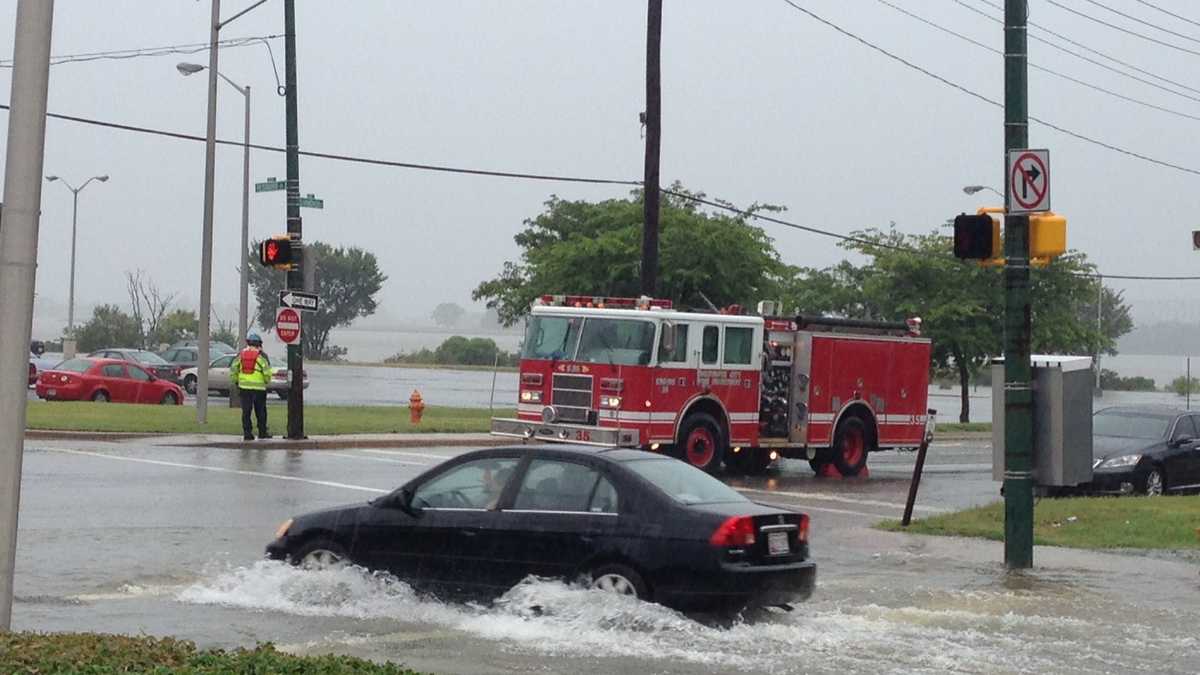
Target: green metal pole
[
  {"x": 1018, "y": 395},
  {"x": 295, "y": 276}
]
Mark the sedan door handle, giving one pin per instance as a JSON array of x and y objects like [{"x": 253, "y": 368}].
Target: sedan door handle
[{"x": 468, "y": 533}]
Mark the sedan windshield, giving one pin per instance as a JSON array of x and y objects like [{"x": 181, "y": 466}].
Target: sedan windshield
[
  {"x": 1130, "y": 425},
  {"x": 683, "y": 482},
  {"x": 148, "y": 358}
]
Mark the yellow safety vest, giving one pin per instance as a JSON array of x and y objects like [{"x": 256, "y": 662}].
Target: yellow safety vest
[{"x": 255, "y": 379}]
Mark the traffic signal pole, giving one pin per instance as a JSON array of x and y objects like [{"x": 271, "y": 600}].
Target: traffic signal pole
[
  {"x": 650, "y": 189},
  {"x": 1018, "y": 394},
  {"x": 295, "y": 275}
]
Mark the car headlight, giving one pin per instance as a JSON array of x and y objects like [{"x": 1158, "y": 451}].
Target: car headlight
[
  {"x": 528, "y": 396},
  {"x": 1122, "y": 461},
  {"x": 283, "y": 528}
]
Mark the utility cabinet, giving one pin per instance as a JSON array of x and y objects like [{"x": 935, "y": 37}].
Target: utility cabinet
[{"x": 1062, "y": 420}]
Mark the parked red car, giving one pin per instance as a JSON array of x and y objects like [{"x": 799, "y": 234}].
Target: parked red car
[
  {"x": 104, "y": 380},
  {"x": 33, "y": 373}
]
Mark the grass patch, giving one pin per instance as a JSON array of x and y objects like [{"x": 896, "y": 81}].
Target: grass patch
[
  {"x": 318, "y": 419},
  {"x": 97, "y": 654},
  {"x": 1080, "y": 522},
  {"x": 945, "y": 427}
]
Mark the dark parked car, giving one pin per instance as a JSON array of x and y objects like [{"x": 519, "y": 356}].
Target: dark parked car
[
  {"x": 1147, "y": 450},
  {"x": 146, "y": 359},
  {"x": 104, "y": 380},
  {"x": 624, "y": 520},
  {"x": 213, "y": 346},
  {"x": 185, "y": 357}
]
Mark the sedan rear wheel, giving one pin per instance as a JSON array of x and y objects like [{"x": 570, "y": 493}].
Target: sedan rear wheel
[
  {"x": 101, "y": 397},
  {"x": 1156, "y": 483},
  {"x": 619, "y": 579}
]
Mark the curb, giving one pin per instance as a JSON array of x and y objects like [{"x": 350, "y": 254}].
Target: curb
[
  {"x": 49, "y": 435},
  {"x": 338, "y": 444}
]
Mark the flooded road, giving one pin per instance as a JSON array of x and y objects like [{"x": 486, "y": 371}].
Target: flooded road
[{"x": 137, "y": 539}]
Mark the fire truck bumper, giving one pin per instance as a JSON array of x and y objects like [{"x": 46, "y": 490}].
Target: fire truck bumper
[{"x": 566, "y": 433}]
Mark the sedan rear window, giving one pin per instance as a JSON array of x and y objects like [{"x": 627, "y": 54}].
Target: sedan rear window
[
  {"x": 75, "y": 365},
  {"x": 683, "y": 482}
]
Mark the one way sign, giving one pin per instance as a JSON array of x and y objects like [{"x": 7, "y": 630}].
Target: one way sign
[
  {"x": 301, "y": 300},
  {"x": 1028, "y": 181}
]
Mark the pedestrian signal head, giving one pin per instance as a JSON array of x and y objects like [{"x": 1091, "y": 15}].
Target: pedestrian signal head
[
  {"x": 278, "y": 252},
  {"x": 976, "y": 237}
]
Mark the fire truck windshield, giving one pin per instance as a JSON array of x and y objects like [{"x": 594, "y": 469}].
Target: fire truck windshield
[
  {"x": 620, "y": 342},
  {"x": 551, "y": 337}
]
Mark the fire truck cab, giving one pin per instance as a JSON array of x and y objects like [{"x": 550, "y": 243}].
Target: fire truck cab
[{"x": 722, "y": 388}]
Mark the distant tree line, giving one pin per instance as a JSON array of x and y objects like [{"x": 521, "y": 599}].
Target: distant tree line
[{"x": 459, "y": 351}]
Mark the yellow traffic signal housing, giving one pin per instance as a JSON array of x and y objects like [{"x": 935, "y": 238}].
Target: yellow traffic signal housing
[
  {"x": 996, "y": 213},
  {"x": 1047, "y": 237}
]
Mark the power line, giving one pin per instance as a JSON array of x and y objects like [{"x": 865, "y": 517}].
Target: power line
[
  {"x": 1122, "y": 29},
  {"x": 1064, "y": 38},
  {"x": 1135, "y": 19},
  {"x": 1151, "y": 5},
  {"x": 121, "y": 54},
  {"x": 1035, "y": 66},
  {"x": 985, "y": 99}
]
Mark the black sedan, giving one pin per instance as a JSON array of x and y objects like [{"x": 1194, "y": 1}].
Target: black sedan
[
  {"x": 1147, "y": 450},
  {"x": 621, "y": 520}
]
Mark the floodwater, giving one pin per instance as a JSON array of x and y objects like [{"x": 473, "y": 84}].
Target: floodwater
[{"x": 171, "y": 543}]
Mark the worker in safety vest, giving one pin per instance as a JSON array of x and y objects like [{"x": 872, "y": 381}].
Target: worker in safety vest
[{"x": 250, "y": 372}]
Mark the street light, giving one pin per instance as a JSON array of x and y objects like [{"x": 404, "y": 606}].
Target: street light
[
  {"x": 74, "y": 220},
  {"x": 186, "y": 69},
  {"x": 972, "y": 189}
]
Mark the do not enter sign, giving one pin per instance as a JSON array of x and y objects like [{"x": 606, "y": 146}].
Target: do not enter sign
[{"x": 287, "y": 325}]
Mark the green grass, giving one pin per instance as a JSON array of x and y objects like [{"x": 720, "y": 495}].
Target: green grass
[
  {"x": 96, "y": 654},
  {"x": 946, "y": 427},
  {"x": 318, "y": 419},
  {"x": 1081, "y": 522}
]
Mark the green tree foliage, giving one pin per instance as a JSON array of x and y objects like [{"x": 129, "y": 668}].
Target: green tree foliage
[
  {"x": 459, "y": 351},
  {"x": 108, "y": 327},
  {"x": 447, "y": 314},
  {"x": 961, "y": 304},
  {"x": 594, "y": 248},
  {"x": 1111, "y": 381},
  {"x": 180, "y": 324},
  {"x": 347, "y": 279},
  {"x": 1184, "y": 385}
]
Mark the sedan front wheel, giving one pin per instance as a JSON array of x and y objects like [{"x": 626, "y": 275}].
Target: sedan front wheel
[
  {"x": 321, "y": 554},
  {"x": 1156, "y": 482}
]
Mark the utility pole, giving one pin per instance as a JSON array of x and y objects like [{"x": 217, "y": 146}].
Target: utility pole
[
  {"x": 244, "y": 264},
  {"x": 1099, "y": 326},
  {"x": 295, "y": 275},
  {"x": 18, "y": 262},
  {"x": 206, "y": 237},
  {"x": 653, "y": 122},
  {"x": 1018, "y": 394}
]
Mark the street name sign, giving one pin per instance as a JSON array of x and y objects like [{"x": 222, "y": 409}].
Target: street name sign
[
  {"x": 301, "y": 300},
  {"x": 1028, "y": 181},
  {"x": 287, "y": 325},
  {"x": 270, "y": 185},
  {"x": 311, "y": 202}
]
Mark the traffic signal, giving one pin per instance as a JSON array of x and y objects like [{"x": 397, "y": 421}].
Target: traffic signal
[
  {"x": 278, "y": 252},
  {"x": 976, "y": 237},
  {"x": 1047, "y": 237}
]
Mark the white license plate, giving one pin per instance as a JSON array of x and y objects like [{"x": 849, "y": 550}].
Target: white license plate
[
  {"x": 52, "y": 392},
  {"x": 777, "y": 543}
]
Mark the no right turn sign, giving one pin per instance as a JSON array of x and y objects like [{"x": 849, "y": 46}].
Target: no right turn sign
[{"x": 1028, "y": 181}]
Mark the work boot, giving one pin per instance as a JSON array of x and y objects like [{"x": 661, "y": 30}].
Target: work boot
[
  {"x": 247, "y": 437},
  {"x": 263, "y": 436}
]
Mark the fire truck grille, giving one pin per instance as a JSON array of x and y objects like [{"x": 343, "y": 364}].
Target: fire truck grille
[{"x": 572, "y": 396}]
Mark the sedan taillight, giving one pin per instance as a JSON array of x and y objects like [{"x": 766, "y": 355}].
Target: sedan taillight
[
  {"x": 735, "y": 531},
  {"x": 802, "y": 535}
]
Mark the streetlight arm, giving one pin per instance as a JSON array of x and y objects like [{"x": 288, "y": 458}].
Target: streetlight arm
[
  {"x": 235, "y": 16},
  {"x": 85, "y": 183},
  {"x": 233, "y": 84}
]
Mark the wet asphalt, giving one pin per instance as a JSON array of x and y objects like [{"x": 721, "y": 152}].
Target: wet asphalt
[{"x": 133, "y": 538}]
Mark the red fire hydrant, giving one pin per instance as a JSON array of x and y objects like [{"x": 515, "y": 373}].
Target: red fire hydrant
[{"x": 416, "y": 407}]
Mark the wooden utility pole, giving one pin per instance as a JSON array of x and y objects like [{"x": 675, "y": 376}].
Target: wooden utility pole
[
  {"x": 653, "y": 120},
  {"x": 295, "y": 275}
]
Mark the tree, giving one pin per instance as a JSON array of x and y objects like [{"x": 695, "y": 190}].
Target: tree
[
  {"x": 961, "y": 304},
  {"x": 594, "y": 248},
  {"x": 347, "y": 280},
  {"x": 108, "y": 327},
  {"x": 149, "y": 305},
  {"x": 180, "y": 324},
  {"x": 447, "y": 314}
]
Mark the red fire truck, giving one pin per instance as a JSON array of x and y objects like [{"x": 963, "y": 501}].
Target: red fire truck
[{"x": 720, "y": 388}]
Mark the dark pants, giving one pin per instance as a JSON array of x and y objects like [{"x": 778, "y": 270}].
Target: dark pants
[{"x": 257, "y": 401}]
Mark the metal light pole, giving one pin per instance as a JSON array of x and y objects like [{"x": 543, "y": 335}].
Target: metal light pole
[
  {"x": 210, "y": 148},
  {"x": 295, "y": 276},
  {"x": 18, "y": 262},
  {"x": 972, "y": 189},
  {"x": 74, "y": 221},
  {"x": 186, "y": 69}
]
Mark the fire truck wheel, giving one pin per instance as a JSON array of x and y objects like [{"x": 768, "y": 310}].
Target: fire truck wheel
[
  {"x": 702, "y": 442},
  {"x": 850, "y": 446}
]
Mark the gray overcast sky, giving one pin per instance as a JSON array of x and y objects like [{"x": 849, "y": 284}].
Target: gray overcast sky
[{"x": 759, "y": 103}]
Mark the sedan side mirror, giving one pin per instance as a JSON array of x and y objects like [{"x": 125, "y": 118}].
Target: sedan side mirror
[{"x": 1181, "y": 441}]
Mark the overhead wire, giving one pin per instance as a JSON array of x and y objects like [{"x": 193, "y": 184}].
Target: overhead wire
[
  {"x": 1122, "y": 29},
  {"x": 139, "y": 52},
  {"x": 1064, "y": 38},
  {"x": 1169, "y": 13},
  {"x": 1064, "y": 76},
  {"x": 1135, "y": 19}
]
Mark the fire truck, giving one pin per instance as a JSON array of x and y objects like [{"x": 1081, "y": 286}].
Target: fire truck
[{"x": 722, "y": 388}]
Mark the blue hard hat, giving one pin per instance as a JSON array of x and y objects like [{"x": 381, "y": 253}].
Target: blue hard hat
[{"x": 253, "y": 337}]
